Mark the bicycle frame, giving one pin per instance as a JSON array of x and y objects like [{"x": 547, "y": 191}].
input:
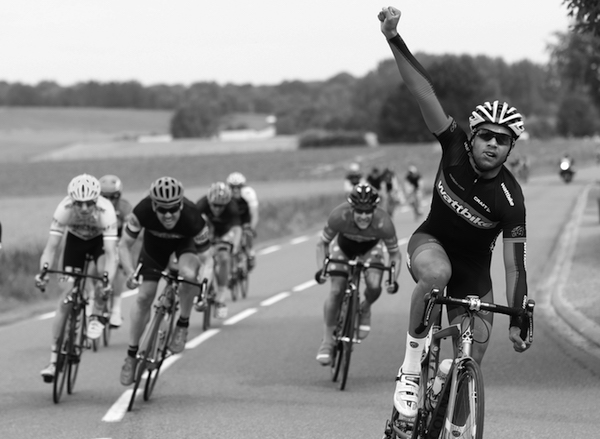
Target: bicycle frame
[
  {"x": 346, "y": 332},
  {"x": 72, "y": 338},
  {"x": 154, "y": 347},
  {"x": 436, "y": 412}
]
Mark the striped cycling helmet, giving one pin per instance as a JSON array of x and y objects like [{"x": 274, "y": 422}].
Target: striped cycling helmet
[
  {"x": 84, "y": 187},
  {"x": 499, "y": 113},
  {"x": 166, "y": 191}
]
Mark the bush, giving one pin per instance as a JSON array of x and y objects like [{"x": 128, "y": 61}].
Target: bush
[{"x": 324, "y": 139}]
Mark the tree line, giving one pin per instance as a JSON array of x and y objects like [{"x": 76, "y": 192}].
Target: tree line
[{"x": 559, "y": 98}]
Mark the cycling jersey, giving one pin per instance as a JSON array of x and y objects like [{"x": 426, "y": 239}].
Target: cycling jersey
[
  {"x": 101, "y": 221},
  {"x": 354, "y": 241},
  {"x": 222, "y": 223},
  {"x": 413, "y": 179},
  {"x": 123, "y": 209},
  {"x": 467, "y": 212}
]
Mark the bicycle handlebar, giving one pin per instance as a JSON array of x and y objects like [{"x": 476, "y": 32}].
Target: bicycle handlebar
[
  {"x": 391, "y": 269},
  {"x": 46, "y": 270},
  {"x": 474, "y": 303}
]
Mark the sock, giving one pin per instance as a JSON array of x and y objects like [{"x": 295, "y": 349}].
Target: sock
[
  {"x": 183, "y": 322},
  {"x": 412, "y": 355},
  {"x": 132, "y": 351}
]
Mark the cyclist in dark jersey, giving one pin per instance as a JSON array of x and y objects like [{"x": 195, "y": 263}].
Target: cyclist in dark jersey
[
  {"x": 170, "y": 223},
  {"x": 475, "y": 199},
  {"x": 221, "y": 212},
  {"x": 111, "y": 188}
]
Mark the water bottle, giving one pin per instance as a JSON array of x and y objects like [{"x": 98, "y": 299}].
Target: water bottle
[{"x": 440, "y": 379}]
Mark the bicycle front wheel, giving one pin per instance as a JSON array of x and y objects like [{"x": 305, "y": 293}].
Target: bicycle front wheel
[
  {"x": 77, "y": 344},
  {"x": 466, "y": 419},
  {"x": 164, "y": 335},
  {"x": 62, "y": 349},
  {"x": 349, "y": 333}
]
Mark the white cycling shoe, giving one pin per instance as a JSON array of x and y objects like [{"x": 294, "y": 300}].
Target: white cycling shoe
[{"x": 406, "y": 395}]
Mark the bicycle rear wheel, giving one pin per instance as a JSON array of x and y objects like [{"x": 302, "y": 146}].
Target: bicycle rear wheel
[
  {"x": 62, "y": 349},
  {"x": 78, "y": 340},
  {"x": 466, "y": 419}
]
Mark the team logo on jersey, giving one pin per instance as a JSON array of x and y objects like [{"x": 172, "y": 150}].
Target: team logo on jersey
[
  {"x": 507, "y": 194},
  {"x": 462, "y": 209},
  {"x": 517, "y": 232}
]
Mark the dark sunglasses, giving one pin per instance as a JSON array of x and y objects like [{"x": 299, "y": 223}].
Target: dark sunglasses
[
  {"x": 218, "y": 206},
  {"x": 90, "y": 203},
  {"x": 165, "y": 210},
  {"x": 487, "y": 135},
  {"x": 361, "y": 211},
  {"x": 112, "y": 197}
]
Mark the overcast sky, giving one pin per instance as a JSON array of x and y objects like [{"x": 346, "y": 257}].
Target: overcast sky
[{"x": 257, "y": 42}]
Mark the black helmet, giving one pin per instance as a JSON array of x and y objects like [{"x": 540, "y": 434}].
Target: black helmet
[{"x": 364, "y": 197}]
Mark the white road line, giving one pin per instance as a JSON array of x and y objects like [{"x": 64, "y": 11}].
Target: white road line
[
  {"x": 267, "y": 250},
  {"x": 119, "y": 408},
  {"x": 46, "y": 316},
  {"x": 195, "y": 342},
  {"x": 299, "y": 240},
  {"x": 276, "y": 298},
  {"x": 304, "y": 286},
  {"x": 240, "y": 316}
]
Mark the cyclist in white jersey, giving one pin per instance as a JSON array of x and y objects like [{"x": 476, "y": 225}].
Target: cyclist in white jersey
[{"x": 88, "y": 224}]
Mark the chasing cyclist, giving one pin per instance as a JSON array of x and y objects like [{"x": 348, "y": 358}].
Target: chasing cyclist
[
  {"x": 475, "y": 198},
  {"x": 111, "y": 188},
  {"x": 221, "y": 212},
  {"x": 353, "y": 177},
  {"x": 357, "y": 228},
  {"x": 170, "y": 223},
  {"x": 412, "y": 188},
  {"x": 248, "y": 208},
  {"x": 90, "y": 224}
]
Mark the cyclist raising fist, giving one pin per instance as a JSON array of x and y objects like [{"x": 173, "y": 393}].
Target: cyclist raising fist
[{"x": 475, "y": 199}]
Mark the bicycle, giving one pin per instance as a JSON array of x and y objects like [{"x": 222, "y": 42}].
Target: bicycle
[
  {"x": 73, "y": 333},
  {"x": 346, "y": 331},
  {"x": 238, "y": 282},
  {"x": 154, "y": 347},
  {"x": 458, "y": 409},
  {"x": 104, "y": 318}
]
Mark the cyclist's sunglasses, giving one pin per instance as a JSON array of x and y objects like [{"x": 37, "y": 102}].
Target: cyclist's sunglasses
[
  {"x": 90, "y": 203},
  {"x": 164, "y": 210},
  {"x": 362, "y": 211},
  {"x": 112, "y": 197},
  {"x": 218, "y": 205},
  {"x": 487, "y": 135}
]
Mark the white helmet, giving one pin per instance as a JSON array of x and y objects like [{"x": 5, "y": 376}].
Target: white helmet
[
  {"x": 84, "y": 187},
  {"x": 499, "y": 114},
  {"x": 166, "y": 191},
  {"x": 236, "y": 179}
]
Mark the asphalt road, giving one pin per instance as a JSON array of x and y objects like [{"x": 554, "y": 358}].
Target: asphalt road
[{"x": 255, "y": 375}]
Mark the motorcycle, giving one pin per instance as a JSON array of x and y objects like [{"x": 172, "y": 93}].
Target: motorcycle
[{"x": 566, "y": 171}]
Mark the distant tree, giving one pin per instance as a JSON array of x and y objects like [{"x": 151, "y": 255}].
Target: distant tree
[
  {"x": 586, "y": 14},
  {"x": 400, "y": 119},
  {"x": 200, "y": 120},
  {"x": 576, "y": 61},
  {"x": 577, "y": 116}
]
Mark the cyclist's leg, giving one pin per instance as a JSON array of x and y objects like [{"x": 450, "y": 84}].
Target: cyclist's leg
[
  {"x": 373, "y": 288},
  {"x": 430, "y": 267},
  {"x": 116, "y": 317},
  {"x": 331, "y": 307},
  {"x": 471, "y": 275},
  {"x": 96, "y": 323}
]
